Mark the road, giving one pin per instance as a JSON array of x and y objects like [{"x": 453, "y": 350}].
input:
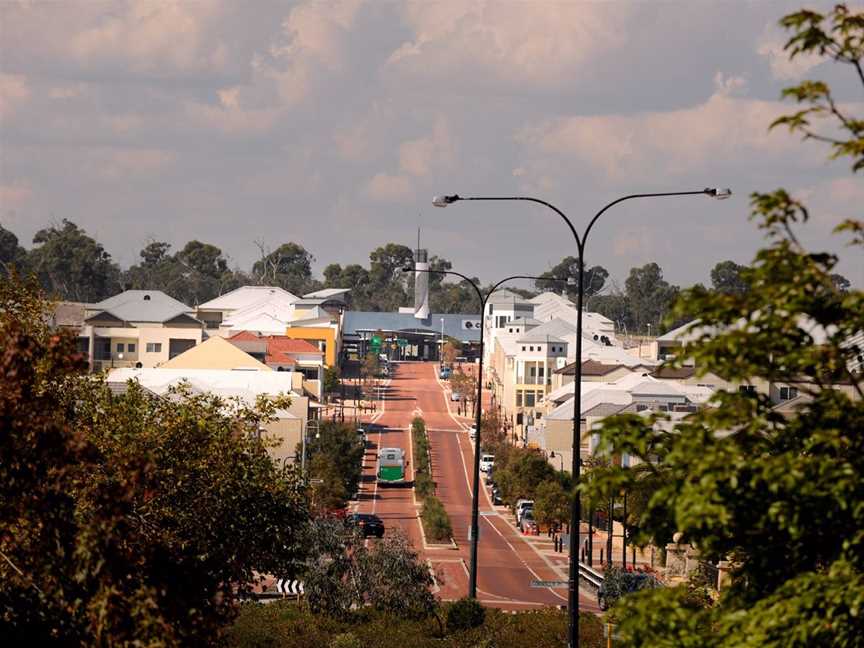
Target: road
[{"x": 507, "y": 561}]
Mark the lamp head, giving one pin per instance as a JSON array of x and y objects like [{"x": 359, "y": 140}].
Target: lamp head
[
  {"x": 719, "y": 194},
  {"x": 443, "y": 201}
]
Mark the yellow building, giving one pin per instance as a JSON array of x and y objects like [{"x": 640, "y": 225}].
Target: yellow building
[
  {"x": 324, "y": 337},
  {"x": 215, "y": 353}
]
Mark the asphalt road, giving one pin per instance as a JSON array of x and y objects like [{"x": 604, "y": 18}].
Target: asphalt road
[{"x": 507, "y": 562}]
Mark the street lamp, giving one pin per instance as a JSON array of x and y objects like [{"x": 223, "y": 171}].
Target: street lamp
[
  {"x": 552, "y": 455},
  {"x": 576, "y": 514},
  {"x": 475, "y": 498}
]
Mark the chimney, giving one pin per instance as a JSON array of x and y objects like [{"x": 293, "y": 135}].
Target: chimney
[{"x": 421, "y": 285}]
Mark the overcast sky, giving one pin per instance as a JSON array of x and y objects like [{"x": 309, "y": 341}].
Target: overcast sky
[{"x": 333, "y": 124}]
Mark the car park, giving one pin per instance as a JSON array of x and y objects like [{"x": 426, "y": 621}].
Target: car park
[
  {"x": 368, "y": 524},
  {"x": 487, "y": 462}
]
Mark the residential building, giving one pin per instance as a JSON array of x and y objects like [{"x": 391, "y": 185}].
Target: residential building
[
  {"x": 137, "y": 328},
  {"x": 216, "y": 312},
  {"x": 238, "y": 388},
  {"x": 282, "y": 353},
  {"x": 502, "y": 307},
  {"x": 216, "y": 353}
]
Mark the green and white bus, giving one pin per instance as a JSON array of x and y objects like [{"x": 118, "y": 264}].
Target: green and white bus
[{"x": 391, "y": 466}]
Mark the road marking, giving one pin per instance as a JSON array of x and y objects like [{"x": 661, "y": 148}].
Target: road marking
[{"x": 527, "y": 566}]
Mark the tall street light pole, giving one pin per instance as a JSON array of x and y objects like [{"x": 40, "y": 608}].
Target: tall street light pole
[
  {"x": 475, "y": 492},
  {"x": 576, "y": 513}
]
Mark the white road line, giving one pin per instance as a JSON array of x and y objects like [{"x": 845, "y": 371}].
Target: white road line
[{"x": 527, "y": 566}]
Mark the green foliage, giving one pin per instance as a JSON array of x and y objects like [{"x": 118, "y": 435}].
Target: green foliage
[
  {"x": 12, "y": 255},
  {"x": 650, "y": 297},
  {"x": 337, "y": 459},
  {"x": 343, "y": 574},
  {"x": 72, "y": 265},
  {"x": 290, "y": 626},
  {"x": 436, "y": 522},
  {"x": 551, "y": 503},
  {"x": 726, "y": 278},
  {"x": 121, "y": 516},
  {"x": 332, "y": 382},
  {"x": 289, "y": 266},
  {"x": 464, "y": 614},
  {"x": 568, "y": 269},
  {"x": 519, "y": 472},
  {"x": 346, "y": 640},
  {"x": 778, "y": 494},
  {"x": 423, "y": 482}
]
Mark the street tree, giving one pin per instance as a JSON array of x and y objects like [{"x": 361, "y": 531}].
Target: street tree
[
  {"x": 289, "y": 266},
  {"x": 650, "y": 297},
  {"x": 551, "y": 503},
  {"x": 777, "y": 495}
]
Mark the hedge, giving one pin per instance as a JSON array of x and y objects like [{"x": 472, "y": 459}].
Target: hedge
[{"x": 433, "y": 516}]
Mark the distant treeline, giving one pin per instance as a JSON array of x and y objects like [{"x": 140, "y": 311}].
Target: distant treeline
[{"x": 72, "y": 265}]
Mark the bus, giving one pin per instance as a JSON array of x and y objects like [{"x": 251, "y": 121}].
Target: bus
[{"x": 391, "y": 466}]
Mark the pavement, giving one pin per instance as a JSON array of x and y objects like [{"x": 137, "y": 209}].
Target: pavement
[{"x": 507, "y": 560}]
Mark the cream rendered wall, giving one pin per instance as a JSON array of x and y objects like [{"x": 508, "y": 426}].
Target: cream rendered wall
[{"x": 282, "y": 437}]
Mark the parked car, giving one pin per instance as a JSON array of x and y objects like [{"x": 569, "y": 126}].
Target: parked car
[
  {"x": 521, "y": 505},
  {"x": 472, "y": 433},
  {"x": 444, "y": 374},
  {"x": 527, "y": 522},
  {"x": 487, "y": 462},
  {"x": 496, "y": 497},
  {"x": 455, "y": 396},
  {"x": 488, "y": 478},
  {"x": 369, "y": 525},
  {"x": 618, "y": 582},
  {"x": 362, "y": 437}
]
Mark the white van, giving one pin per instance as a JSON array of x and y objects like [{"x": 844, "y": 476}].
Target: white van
[
  {"x": 487, "y": 461},
  {"x": 472, "y": 433}
]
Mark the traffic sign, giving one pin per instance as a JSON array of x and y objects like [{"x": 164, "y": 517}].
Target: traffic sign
[
  {"x": 289, "y": 587},
  {"x": 402, "y": 342}
]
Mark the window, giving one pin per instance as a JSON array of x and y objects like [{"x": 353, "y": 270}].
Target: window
[
  {"x": 523, "y": 348},
  {"x": 518, "y": 398},
  {"x": 519, "y": 418},
  {"x": 510, "y": 330},
  {"x": 130, "y": 347},
  {"x": 154, "y": 347},
  {"x": 121, "y": 347},
  {"x": 529, "y": 399},
  {"x": 750, "y": 390},
  {"x": 788, "y": 393},
  {"x": 531, "y": 348}
]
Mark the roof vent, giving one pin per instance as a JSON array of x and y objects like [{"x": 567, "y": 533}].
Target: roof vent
[{"x": 146, "y": 297}]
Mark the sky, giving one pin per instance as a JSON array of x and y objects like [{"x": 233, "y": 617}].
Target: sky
[{"x": 333, "y": 124}]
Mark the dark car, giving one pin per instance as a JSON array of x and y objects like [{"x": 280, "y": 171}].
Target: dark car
[
  {"x": 617, "y": 583},
  {"x": 369, "y": 525},
  {"x": 496, "y": 497}
]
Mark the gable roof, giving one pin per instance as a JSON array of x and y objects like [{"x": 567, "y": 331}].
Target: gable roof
[
  {"x": 246, "y": 296},
  {"x": 328, "y": 293},
  {"x": 279, "y": 349},
  {"x": 142, "y": 306},
  {"x": 215, "y": 353}
]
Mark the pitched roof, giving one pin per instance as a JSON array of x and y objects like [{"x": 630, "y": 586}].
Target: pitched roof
[
  {"x": 141, "y": 306},
  {"x": 279, "y": 349},
  {"x": 327, "y": 293},
  {"x": 215, "y": 353},
  {"x": 556, "y": 328},
  {"x": 526, "y": 321},
  {"x": 246, "y": 296},
  {"x": 675, "y": 373}
]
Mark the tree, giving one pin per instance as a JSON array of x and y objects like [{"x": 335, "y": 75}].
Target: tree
[
  {"x": 336, "y": 458},
  {"x": 451, "y": 351},
  {"x": 289, "y": 266},
  {"x": 616, "y": 307},
  {"x": 777, "y": 495},
  {"x": 343, "y": 574},
  {"x": 726, "y": 278},
  {"x": 650, "y": 296},
  {"x": 72, "y": 265},
  {"x": 551, "y": 503},
  {"x": 121, "y": 515},
  {"x": 568, "y": 269},
  {"x": 12, "y": 255},
  {"x": 332, "y": 383}
]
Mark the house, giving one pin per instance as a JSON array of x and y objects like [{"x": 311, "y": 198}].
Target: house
[
  {"x": 216, "y": 353},
  {"x": 282, "y": 353},
  {"x": 241, "y": 300},
  {"x": 236, "y": 387},
  {"x": 633, "y": 393},
  {"x": 137, "y": 328}
]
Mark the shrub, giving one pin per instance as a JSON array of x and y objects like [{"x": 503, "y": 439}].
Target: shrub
[
  {"x": 436, "y": 522},
  {"x": 464, "y": 614},
  {"x": 345, "y": 640},
  {"x": 423, "y": 485}
]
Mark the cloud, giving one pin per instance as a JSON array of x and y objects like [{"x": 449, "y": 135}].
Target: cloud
[
  {"x": 14, "y": 196},
  {"x": 539, "y": 44},
  {"x": 419, "y": 156},
  {"x": 669, "y": 142},
  {"x": 388, "y": 188},
  {"x": 770, "y": 46},
  {"x": 14, "y": 91}
]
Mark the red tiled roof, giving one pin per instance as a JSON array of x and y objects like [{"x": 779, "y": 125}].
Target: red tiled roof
[{"x": 280, "y": 348}]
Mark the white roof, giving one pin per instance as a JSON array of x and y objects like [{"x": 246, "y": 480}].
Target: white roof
[
  {"x": 225, "y": 383},
  {"x": 550, "y": 297},
  {"x": 246, "y": 296},
  {"x": 628, "y": 389},
  {"x": 327, "y": 293}
]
